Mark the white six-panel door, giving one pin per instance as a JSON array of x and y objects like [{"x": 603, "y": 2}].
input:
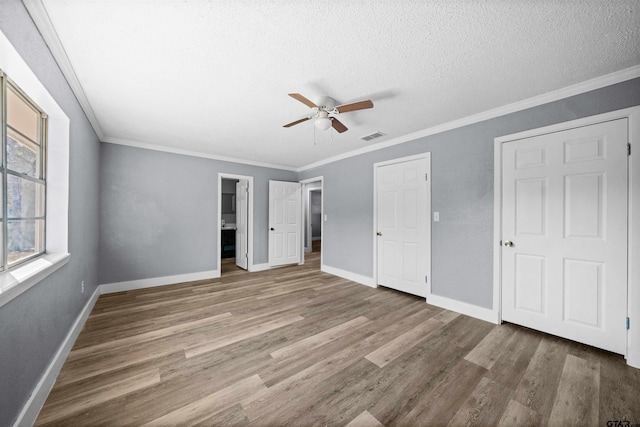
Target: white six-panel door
[
  {"x": 564, "y": 233},
  {"x": 242, "y": 213},
  {"x": 285, "y": 228},
  {"x": 403, "y": 217}
]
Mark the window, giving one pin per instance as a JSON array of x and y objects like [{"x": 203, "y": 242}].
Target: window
[
  {"x": 22, "y": 173},
  {"x": 47, "y": 156}
]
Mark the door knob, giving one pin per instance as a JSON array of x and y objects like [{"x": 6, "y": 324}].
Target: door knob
[
  {"x": 378, "y": 234},
  {"x": 272, "y": 229},
  {"x": 508, "y": 243}
]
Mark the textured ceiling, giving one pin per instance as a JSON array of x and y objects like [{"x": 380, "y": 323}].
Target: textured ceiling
[{"x": 212, "y": 76}]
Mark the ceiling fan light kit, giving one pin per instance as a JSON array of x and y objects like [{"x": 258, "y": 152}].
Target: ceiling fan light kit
[
  {"x": 323, "y": 123},
  {"x": 326, "y": 110}
]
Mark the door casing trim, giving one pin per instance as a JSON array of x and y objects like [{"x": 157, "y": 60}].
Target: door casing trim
[
  {"x": 319, "y": 179},
  {"x": 633, "y": 247},
  {"x": 427, "y": 156},
  {"x": 249, "y": 179}
]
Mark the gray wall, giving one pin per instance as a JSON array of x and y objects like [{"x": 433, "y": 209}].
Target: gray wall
[
  {"x": 158, "y": 212},
  {"x": 462, "y": 191},
  {"x": 34, "y": 325}
]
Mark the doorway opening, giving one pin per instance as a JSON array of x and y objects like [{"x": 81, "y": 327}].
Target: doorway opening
[
  {"x": 235, "y": 223},
  {"x": 313, "y": 221}
]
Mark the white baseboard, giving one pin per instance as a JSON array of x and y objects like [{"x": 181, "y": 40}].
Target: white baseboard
[
  {"x": 259, "y": 267},
  {"x": 363, "y": 280},
  {"x": 481, "y": 313},
  {"x": 40, "y": 393},
  {"x": 109, "y": 288},
  {"x": 633, "y": 358}
]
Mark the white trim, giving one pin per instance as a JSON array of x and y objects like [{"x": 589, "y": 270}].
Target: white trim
[
  {"x": 478, "y": 312},
  {"x": 36, "y": 401},
  {"x": 307, "y": 220},
  {"x": 40, "y": 17},
  {"x": 192, "y": 153},
  {"x": 57, "y": 229},
  {"x": 633, "y": 287},
  {"x": 497, "y": 229},
  {"x": 576, "y": 89},
  {"x": 363, "y": 280},
  {"x": 131, "y": 285},
  {"x": 633, "y": 262},
  {"x": 559, "y": 127},
  {"x": 249, "y": 179},
  {"x": 427, "y": 156},
  {"x": 259, "y": 267},
  {"x": 18, "y": 280}
]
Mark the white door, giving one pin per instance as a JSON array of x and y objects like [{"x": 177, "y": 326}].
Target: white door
[
  {"x": 403, "y": 225},
  {"x": 242, "y": 215},
  {"x": 564, "y": 234},
  {"x": 285, "y": 228}
]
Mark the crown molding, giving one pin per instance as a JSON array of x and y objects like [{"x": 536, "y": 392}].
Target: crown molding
[
  {"x": 576, "y": 89},
  {"x": 173, "y": 150},
  {"x": 39, "y": 14},
  {"x": 40, "y": 17}
]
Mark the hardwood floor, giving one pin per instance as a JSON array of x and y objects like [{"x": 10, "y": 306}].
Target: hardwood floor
[{"x": 295, "y": 346}]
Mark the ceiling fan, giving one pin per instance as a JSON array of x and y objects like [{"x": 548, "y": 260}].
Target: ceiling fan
[{"x": 324, "y": 113}]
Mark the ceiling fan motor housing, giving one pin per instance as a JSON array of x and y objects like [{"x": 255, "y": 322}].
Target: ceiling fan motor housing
[{"x": 327, "y": 104}]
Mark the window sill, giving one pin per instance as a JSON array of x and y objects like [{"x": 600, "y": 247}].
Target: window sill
[{"x": 18, "y": 280}]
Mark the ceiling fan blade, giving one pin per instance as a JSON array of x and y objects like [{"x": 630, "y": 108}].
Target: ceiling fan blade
[
  {"x": 304, "y": 100},
  {"x": 361, "y": 105},
  {"x": 337, "y": 125},
  {"x": 288, "y": 125}
]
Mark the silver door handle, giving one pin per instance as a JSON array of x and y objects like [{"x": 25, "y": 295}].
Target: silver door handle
[
  {"x": 378, "y": 234},
  {"x": 508, "y": 243}
]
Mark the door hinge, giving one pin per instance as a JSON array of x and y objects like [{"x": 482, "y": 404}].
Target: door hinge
[
  {"x": 426, "y": 177},
  {"x": 628, "y": 323},
  {"x": 628, "y": 149},
  {"x": 426, "y": 279}
]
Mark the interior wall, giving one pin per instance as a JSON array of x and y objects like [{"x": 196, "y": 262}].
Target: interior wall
[
  {"x": 462, "y": 191},
  {"x": 34, "y": 325},
  {"x": 159, "y": 212},
  {"x": 155, "y": 213}
]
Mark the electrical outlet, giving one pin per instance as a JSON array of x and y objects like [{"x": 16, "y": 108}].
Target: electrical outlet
[{"x": 82, "y": 287}]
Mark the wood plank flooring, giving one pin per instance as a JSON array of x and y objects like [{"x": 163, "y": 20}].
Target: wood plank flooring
[{"x": 295, "y": 346}]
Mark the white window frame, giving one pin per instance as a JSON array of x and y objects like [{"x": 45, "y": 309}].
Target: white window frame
[
  {"x": 19, "y": 279},
  {"x": 6, "y": 169}
]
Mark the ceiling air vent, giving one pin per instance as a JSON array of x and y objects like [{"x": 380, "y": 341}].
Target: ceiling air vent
[{"x": 372, "y": 136}]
